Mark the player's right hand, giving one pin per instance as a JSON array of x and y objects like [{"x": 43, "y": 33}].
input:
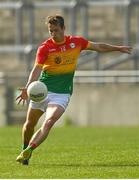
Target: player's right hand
[{"x": 23, "y": 97}]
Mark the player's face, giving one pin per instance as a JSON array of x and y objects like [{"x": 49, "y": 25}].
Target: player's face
[{"x": 56, "y": 32}]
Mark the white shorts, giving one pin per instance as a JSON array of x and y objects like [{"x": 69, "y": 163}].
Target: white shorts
[{"x": 52, "y": 98}]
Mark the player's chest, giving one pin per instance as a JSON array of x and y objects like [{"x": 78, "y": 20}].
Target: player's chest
[
  {"x": 62, "y": 48},
  {"x": 64, "y": 54}
]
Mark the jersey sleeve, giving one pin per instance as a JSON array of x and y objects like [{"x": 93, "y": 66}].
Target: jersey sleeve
[
  {"x": 42, "y": 54},
  {"x": 83, "y": 43}
]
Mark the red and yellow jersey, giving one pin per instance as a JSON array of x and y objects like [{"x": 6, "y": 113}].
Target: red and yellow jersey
[{"x": 58, "y": 62}]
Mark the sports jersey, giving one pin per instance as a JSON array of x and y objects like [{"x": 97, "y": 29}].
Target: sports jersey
[{"x": 58, "y": 62}]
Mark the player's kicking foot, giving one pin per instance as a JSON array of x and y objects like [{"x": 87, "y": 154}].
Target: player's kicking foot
[{"x": 24, "y": 156}]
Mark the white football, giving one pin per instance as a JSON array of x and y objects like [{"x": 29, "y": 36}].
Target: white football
[{"x": 37, "y": 91}]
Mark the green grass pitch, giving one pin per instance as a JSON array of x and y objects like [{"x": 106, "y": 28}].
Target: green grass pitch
[{"x": 73, "y": 152}]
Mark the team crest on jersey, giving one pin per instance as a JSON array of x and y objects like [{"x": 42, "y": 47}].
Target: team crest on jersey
[
  {"x": 58, "y": 60},
  {"x": 72, "y": 45}
]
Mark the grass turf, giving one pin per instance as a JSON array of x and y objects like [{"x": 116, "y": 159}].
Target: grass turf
[{"x": 71, "y": 152}]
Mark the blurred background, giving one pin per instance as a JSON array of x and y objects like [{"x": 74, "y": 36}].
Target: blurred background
[{"x": 106, "y": 85}]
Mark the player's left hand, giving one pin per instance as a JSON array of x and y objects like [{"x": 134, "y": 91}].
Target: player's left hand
[{"x": 125, "y": 49}]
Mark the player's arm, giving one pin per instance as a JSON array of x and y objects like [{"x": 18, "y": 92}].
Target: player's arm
[
  {"x": 103, "y": 47},
  {"x": 34, "y": 75}
]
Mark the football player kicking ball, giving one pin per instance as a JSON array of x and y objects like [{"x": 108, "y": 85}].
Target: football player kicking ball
[{"x": 55, "y": 65}]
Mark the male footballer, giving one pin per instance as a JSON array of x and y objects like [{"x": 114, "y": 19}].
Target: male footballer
[{"x": 55, "y": 64}]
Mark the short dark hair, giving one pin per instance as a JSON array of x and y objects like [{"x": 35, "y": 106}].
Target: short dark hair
[{"x": 56, "y": 20}]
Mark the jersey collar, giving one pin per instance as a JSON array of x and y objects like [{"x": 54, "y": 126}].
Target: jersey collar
[{"x": 59, "y": 43}]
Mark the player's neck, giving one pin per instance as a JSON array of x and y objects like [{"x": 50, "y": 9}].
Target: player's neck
[{"x": 59, "y": 41}]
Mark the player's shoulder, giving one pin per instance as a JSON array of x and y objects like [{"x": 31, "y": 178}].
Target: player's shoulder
[
  {"x": 45, "y": 44},
  {"x": 76, "y": 39},
  {"x": 79, "y": 41}
]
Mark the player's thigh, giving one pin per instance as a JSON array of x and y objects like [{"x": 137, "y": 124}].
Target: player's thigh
[
  {"x": 54, "y": 112},
  {"x": 33, "y": 115}
]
